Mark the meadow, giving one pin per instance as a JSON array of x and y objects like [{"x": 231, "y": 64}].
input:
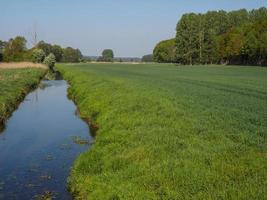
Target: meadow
[
  {"x": 171, "y": 132},
  {"x": 15, "y": 82}
]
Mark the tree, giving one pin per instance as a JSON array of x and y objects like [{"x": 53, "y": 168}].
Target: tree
[
  {"x": 148, "y": 58},
  {"x": 38, "y": 55},
  {"x": 50, "y": 61},
  {"x": 187, "y": 39},
  {"x": 72, "y": 55},
  {"x": 237, "y": 18},
  {"x": 47, "y": 48},
  {"x": 2, "y": 47},
  {"x": 108, "y": 55},
  {"x": 57, "y": 51},
  {"x": 15, "y": 49},
  {"x": 165, "y": 51},
  {"x": 237, "y": 37},
  {"x": 258, "y": 14}
]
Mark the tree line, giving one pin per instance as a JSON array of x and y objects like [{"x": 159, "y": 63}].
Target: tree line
[
  {"x": 16, "y": 50},
  {"x": 218, "y": 37}
]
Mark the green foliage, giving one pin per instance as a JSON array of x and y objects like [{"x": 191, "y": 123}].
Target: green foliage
[
  {"x": 58, "y": 52},
  {"x": 15, "y": 49},
  {"x": 14, "y": 84},
  {"x": 72, "y": 55},
  {"x": 165, "y": 51},
  {"x": 46, "y": 47},
  {"x": 221, "y": 37},
  {"x": 50, "y": 61},
  {"x": 187, "y": 38},
  {"x": 168, "y": 132},
  {"x": 2, "y": 47},
  {"x": 107, "y": 55},
  {"x": 38, "y": 55},
  {"x": 148, "y": 58}
]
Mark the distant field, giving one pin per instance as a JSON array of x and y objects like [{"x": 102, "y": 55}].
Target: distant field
[
  {"x": 14, "y": 85},
  {"x": 171, "y": 132}
]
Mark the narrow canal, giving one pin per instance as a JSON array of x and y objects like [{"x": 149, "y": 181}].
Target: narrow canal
[{"x": 40, "y": 143}]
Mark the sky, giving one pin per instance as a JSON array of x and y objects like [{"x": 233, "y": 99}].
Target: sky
[{"x": 131, "y": 28}]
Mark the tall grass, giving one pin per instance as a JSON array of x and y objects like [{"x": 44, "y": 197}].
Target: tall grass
[
  {"x": 14, "y": 85},
  {"x": 169, "y": 132}
]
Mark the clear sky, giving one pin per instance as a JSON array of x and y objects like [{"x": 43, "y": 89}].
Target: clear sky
[{"x": 129, "y": 27}]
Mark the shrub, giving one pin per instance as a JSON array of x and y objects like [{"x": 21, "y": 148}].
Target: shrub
[
  {"x": 38, "y": 55},
  {"x": 50, "y": 61}
]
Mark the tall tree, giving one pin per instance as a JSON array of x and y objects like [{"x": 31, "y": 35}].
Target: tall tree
[
  {"x": 2, "y": 47},
  {"x": 108, "y": 55},
  {"x": 72, "y": 55},
  {"x": 58, "y": 52},
  {"x": 187, "y": 39},
  {"x": 237, "y": 37}
]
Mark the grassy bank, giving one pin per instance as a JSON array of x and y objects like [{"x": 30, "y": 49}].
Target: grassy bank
[
  {"x": 169, "y": 132},
  {"x": 14, "y": 85}
]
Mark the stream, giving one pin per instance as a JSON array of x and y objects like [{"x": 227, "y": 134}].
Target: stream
[{"x": 39, "y": 144}]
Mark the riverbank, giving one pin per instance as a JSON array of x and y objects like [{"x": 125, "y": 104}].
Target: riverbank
[
  {"x": 15, "y": 83},
  {"x": 41, "y": 140},
  {"x": 171, "y": 132}
]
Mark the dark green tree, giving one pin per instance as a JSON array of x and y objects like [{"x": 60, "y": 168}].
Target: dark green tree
[
  {"x": 72, "y": 55},
  {"x": 46, "y": 47},
  {"x": 2, "y": 47},
  {"x": 107, "y": 55},
  {"x": 237, "y": 37},
  {"x": 187, "y": 39},
  {"x": 58, "y": 52}
]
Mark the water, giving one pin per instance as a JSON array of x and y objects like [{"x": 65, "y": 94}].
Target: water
[{"x": 39, "y": 144}]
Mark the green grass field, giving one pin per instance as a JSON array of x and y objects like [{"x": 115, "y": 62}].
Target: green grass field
[
  {"x": 171, "y": 132},
  {"x": 14, "y": 85}
]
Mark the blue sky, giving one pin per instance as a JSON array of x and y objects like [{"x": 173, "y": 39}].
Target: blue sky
[{"x": 129, "y": 27}]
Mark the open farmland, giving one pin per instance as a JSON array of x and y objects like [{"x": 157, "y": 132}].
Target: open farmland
[{"x": 171, "y": 132}]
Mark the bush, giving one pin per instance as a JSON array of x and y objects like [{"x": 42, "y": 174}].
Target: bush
[
  {"x": 50, "y": 61},
  {"x": 38, "y": 55}
]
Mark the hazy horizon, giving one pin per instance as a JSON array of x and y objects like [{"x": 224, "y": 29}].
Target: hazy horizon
[{"x": 131, "y": 29}]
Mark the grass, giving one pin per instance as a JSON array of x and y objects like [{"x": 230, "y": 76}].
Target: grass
[
  {"x": 14, "y": 85},
  {"x": 171, "y": 132}
]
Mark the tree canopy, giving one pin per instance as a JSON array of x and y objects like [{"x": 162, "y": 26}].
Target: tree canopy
[
  {"x": 236, "y": 37},
  {"x": 72, "y": 55},
  {"x": 165, "y": 51},
  {"x": 16, "y": 50},
  {"x": 107, "y": 55}
]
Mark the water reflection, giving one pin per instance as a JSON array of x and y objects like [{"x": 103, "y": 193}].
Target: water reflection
[{"x": 37, "y": 146}]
